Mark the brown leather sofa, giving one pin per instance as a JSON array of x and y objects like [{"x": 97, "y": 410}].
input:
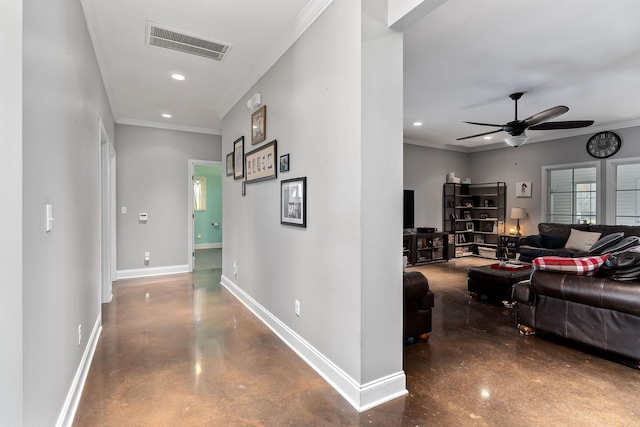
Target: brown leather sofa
[
  {"x": 552, "y": 237},
  {"x": 418, "y": 302},
  {"x": 597, "y": 311}
]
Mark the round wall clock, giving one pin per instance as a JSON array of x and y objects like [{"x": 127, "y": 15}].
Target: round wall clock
[{"x": 603, "y": 145}]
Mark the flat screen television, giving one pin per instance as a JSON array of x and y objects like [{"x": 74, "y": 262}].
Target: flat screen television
[{"x": 408, "y": 210}]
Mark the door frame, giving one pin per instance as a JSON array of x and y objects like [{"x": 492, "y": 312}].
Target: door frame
[
  {"x": 190, "y": 211},
  {"x": 107, "y": 213}
]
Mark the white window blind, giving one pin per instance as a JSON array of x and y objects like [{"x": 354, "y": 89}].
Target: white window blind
[
  {"x": 628, "y": 194},
  {"x": 572, "y": 195}
]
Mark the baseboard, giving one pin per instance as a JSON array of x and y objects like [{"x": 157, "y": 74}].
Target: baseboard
[
  {"x": 68, "y": 413},
  {"x": 152, "y": 271},
  {"x": 360, "y": 396},
  {"x": 207, "y": 246}
]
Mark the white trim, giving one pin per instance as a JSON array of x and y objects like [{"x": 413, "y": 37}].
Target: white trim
[
  {"x": 600, "y": 210},
  {"x": 207, "y": 246},
  {"x": 156, "y": 271},
  {"x": 360, "y": 396},
  {"x": 68, "y": 412},
  {"x": 611, "y": 177},
  {"x": 169, "y": 126}
]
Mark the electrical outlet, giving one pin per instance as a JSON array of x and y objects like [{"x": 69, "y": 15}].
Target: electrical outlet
[
  {"x": 235, "y": 269},
  {"x": 296, "y": 309},
  {"x": 79, "y": 334}
]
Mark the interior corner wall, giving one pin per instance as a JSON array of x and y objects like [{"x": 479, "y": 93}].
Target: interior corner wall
[
  {"x": 425, "y": 170},
  {"x": 63, "y": 101},
  {"x": 314, "y": 111},
  {"x": 152, "y": 177},
  {"x": 11, "y": 310}
]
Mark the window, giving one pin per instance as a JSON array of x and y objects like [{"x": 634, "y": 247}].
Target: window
[
  {"x": 624, "y": 187},
  {"x": 200, "y": 193},
  {"x": 572, "y": 193}
]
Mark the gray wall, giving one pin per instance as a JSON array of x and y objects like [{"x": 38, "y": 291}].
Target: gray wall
[
  {"x": 11, "y": 212},
  {"x": 425, "y": 169},
  {"x": 315, "y": 97},
  {"x": 152, "y": 177},
  {"x": 63, "y": 100}
]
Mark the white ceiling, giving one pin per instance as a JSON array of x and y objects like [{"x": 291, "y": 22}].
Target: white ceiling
[{"x": 461, "y": 62}]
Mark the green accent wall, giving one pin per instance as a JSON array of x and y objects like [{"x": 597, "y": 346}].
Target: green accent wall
[{"x": 213, "y": 214}]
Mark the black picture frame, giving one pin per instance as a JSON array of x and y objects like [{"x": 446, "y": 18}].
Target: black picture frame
[
  {"x": 230, "y": 164},
  {"x": 487, "y": 226},
  {"x": 260, "y": 164},
  {"x": 293, "y": 202},
  {"x": 284, "y": 163},
  {"x": 238, "y": 158}
]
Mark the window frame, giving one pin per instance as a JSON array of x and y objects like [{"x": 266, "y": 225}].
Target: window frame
[
  {"x": 545, "y": 186},
  {"x": 612, "y": 183}
]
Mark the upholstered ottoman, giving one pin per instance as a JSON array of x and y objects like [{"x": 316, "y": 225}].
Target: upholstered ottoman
[{"x": 495, "y": 282}]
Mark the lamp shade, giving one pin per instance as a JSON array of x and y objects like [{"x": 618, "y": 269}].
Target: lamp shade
[
  {"x": 518, "y": 213},
  {"x": 516, "y": 141}
]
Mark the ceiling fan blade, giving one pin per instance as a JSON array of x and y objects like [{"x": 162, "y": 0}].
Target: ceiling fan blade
[
  {"x": 571, "y": 124},
  {"x": 480, "y": 134},
  {"x": 545, "y": 115},
  {"x": 484, "y": 124}
]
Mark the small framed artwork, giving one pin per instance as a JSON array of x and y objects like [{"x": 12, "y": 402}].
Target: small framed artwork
[
  {"x": 238, "y": 158},
  {"x": 260, "y": 163},
  {"x": 259, "y": 125},
  {"x": 230, "y": 164},
  {"x": 284, "y": 163},
  {"x": 467, "y": 214},
  {"x": 488, "y": 227},
  {"x": 469, "y": 226},
  {"x": 523, "y": 189},
  {"x": 293, "y": 202}
]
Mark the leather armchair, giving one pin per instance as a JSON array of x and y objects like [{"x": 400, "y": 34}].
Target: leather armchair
[{"x": 418, "y": 302}]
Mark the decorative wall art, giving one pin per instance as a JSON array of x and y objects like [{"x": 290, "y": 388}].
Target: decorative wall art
[
  {"x": 238, "y": 158},
  {"x": 230, "y": 164},
  {"x": 523, "y": 189},
  {"x": 293, "y": 202},
  {"x": 259, "y": 125},
  {"x": 260, "y": 164},
  {"x": 284, "y": 163}
]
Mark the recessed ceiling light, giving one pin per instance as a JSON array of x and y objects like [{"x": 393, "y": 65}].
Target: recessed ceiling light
[
  {"x": 166, "y": 116},
  {"x": 417, "y": 123},
  {"x": 176, "y": 76},
  {"x": 488, "y": 137}
]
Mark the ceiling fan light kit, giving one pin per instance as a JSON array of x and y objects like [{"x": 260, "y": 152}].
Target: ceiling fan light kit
[{"x": 516, "y": 128}]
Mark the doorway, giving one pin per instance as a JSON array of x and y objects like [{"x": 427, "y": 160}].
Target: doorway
[
  {"x": 107, "y": 214},
  {"x": 205, "y": 218}
]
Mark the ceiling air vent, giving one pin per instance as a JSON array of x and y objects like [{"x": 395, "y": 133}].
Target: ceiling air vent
[{"x": 174, "y": 40}]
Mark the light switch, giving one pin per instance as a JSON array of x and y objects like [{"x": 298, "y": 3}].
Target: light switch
[
  {"x": 142, "y": 217},
  {"x": 49, "y": 218},
  {"x": 123, "y": 209}
]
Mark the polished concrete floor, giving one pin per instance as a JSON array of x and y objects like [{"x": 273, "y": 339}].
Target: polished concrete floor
[{"x": 181, "y": 351}]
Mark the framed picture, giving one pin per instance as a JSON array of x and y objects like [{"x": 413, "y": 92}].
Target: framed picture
[
  {"x": 487, "y": 227},
  {"x": 284, "y": 163},
  {"x": 293, "y": 202},
  {"x": 467, "y": 214},
  {"x": 259, "y": 125},
  {"x": 523, "y": 189},
  {"x": 260, "y": 164},
  {"x": 238, "y": 158},
  {"x": 469, "y": 226},
  {"x": 230, "y": 164}
]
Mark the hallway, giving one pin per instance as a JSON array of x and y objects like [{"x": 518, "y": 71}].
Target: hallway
[{"x": 181, "y": 351}]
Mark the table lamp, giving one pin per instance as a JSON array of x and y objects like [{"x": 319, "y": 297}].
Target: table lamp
[{"x": 518, "y": 214}]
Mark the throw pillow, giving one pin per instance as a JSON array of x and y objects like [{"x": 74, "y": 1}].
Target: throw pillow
[
  {"x": 552, "y": 241},
  {"x": 584, "y": 266},
  {"x": 581, "y": 240},
  {"x": 623, "y": 244},
  {"x": 608, "y": 240}
]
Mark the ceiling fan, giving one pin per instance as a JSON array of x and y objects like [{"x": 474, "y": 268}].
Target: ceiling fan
[{"x": 516, "y": 128}]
